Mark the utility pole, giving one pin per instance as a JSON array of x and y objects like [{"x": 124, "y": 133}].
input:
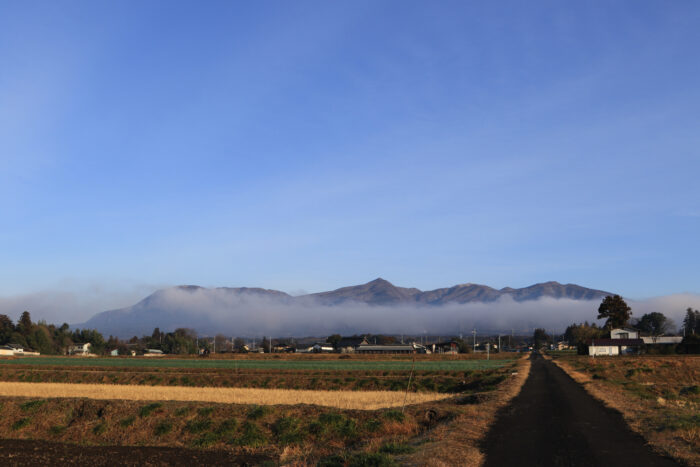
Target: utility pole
[
  {"x": 474, "y": 333},
  {"x": 499, "y": 343}
]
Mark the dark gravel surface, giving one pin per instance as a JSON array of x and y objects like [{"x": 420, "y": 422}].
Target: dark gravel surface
[
  {"x": 555, "y": 422},
  {"x": 38, "y": 453}
]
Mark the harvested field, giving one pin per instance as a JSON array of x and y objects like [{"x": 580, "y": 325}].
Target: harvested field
[
  {"x": 364, "y": 400},
  {"x": 351, "y": 363},
  {"x": 343, "y": 427},
  {"x": 354, "y": 380},
  {"x": 283, "y": 434}
]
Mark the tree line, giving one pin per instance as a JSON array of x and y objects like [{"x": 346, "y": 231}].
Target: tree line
[
  {"x": 618, "y": 314},
  {"x": 46, "y": 338}
]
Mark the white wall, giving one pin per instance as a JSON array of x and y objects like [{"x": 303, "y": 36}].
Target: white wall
[{"x": 596, "y": 350}]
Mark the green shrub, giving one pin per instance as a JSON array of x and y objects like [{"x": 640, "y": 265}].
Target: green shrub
[
  {"x": 690, "y": 390},
  {"x": 100, "y": 428},
  {"x": 373, "y": 425},
  {"x": 21, "y": 423},
  {"x": 227, "y": 427},
  {"x": 32, "y": 405},
  {"x": 57, "y": 430},
  {"x": 288, "y": 430},
  {"x": 198, "y": 425},
  {"x": 258, "y": 411},
  {"x": 127, "y": 422},
  {"x": 377, "y": 459},
  {"x": 395, "y": 415},
  {"x": 182, "y": 411},
  {"x": 206, "y": 440},
  {"x": 205, "y": 411},
  {"x": 146, "y": 410},
  {"x": 163, "y": 428},
  {"x": 338, "y": 423},
  {"x": 396, "y": 448},
  {"x": 332, "y": 461},
  {"x": 252, "y": 436}
]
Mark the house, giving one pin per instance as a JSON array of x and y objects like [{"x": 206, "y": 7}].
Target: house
[
  {"x": 80, "y": 349},
  {"x": 615, "y": 346},
  {"x": 449, "y": 347},
  {"x": 153, "y": 353},
  {"x": 322, "y": 347},
  {"x": 114, "y": 353},
  {"x": 350, "y": 344},
  {"x": 13, "y": 349},
  {"x": 661, "y": 340}
]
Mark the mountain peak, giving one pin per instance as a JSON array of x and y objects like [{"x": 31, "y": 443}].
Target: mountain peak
[{"x": 379, "y": 280}]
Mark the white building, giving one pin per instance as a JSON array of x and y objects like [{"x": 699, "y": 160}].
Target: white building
[{"x": 79, "y": 349}]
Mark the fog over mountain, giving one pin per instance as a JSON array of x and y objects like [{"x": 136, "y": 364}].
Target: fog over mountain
[{"x": 378, "y": 307}]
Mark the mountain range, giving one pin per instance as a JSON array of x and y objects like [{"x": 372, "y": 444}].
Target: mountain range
[{"x": 224, "y": 309}]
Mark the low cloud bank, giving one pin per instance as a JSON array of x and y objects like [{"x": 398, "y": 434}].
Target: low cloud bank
[{"x": 212, "y": 311}]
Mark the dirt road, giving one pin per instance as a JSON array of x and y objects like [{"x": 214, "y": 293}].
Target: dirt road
[{"x": 555, "y": 422}]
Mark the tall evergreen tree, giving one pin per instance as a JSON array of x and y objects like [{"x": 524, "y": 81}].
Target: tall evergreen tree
[{"x": 615, "y": 310}]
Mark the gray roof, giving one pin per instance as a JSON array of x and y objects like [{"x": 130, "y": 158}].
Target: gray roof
[{"x": 387, "y": 348}]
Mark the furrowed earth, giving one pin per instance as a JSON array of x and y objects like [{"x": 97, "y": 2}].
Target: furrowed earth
[{"x": 291, "y": 416}]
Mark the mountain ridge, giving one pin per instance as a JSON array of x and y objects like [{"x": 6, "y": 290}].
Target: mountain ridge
[{"x": 186, "y": 305}]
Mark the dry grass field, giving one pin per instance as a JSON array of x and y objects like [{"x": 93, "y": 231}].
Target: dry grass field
[
  {"x": 659, "y": 396},
  {"x": 359, "y": 400}
]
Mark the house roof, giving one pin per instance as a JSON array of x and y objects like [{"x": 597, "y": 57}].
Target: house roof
[
  {"x": 351, "y": 341},
  {"x": 387, "y": 348},
  {"x": 616, "y": 342}
]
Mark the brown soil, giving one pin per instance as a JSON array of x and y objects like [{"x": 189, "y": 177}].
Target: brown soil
[
  {"x": 349, "y": 380},
  {"x": 15, "y": 452}
]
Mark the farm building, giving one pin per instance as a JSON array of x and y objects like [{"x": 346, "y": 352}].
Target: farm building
[
  {"x": 153, "y": 353},
  {"x": 614, "y": 346},
  {"x": 628, "y": 341},
  {"x": 662, "y": 340},
  {"x": 322, "y": 347},
  {"x": 14, "y": 349},
  {"x": 449, "y": 347},
  {"x": 79, "y": 349},
  {"x": 350, "y": 344}
]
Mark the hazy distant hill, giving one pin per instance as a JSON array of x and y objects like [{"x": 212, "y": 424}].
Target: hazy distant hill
[
  {"x": 381, "y": 291},
  {"x": 222, "y": 309}
]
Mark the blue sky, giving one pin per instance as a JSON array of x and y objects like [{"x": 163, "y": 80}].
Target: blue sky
[{"x": 305, "y": 146}]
